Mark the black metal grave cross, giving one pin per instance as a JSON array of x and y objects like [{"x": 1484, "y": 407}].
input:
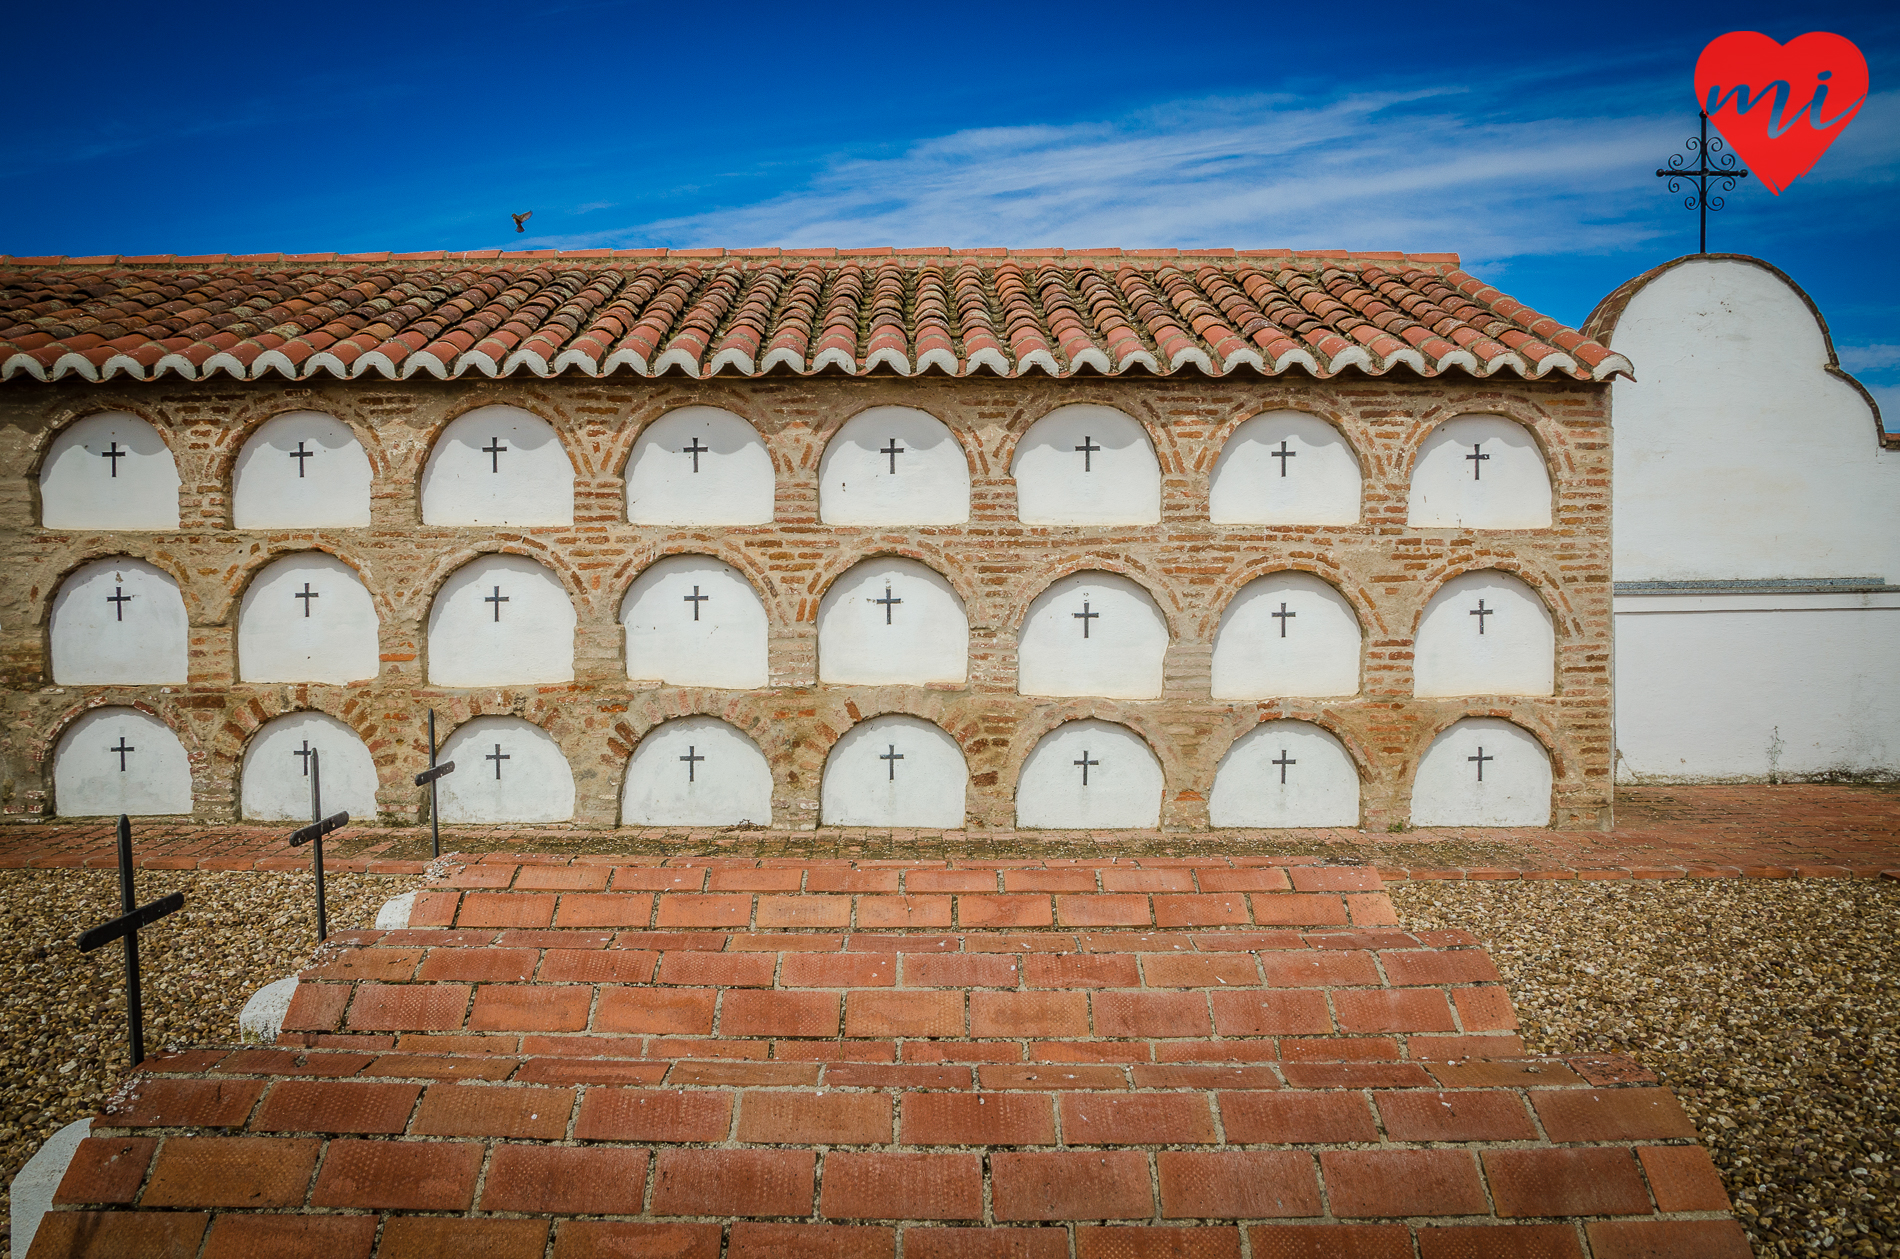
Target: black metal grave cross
[
  {"x": 893, "y": 450},
  {"x": 1481, "y": 758},
  {"x": 115, "y": 454},
  {"x": 498, "y": 757},
  {"x": 427, "y": 778},
  {"x": 494, "y": 450},
  {"x": 691, "y": 758},
  {"x": 1085, "y": 762},
  {"x": 1283, "y": 616},
  {"x": 300, "y": 454},
  {"x": 306, "y": 594},
  {"x": 498, "y": 598},
  {"x": 306, "y": 752},
  {"x": 1088, "y": 449},
  {"x": 313, "y": 834},
  {"x": 695, "y": 599},
  {"x": 1283, "y": 454},
  {"x": 695, "y": 450},
  {"x": 887, "y": 601},
  {"x": 1283, "y": 761},
  {"x": 1481, "y": 612},
  {"x": 122, "y": 749},
  {"x": 890, "y": 757},
  {"x": 1085, "y": 616},
  {"x": 1477, "y": 457},
  {"x": 119, "y": 599},
  {"x": 126, "y": 927}
]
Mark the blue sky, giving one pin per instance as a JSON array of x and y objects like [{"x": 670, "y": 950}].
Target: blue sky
[{"x": 1522, "y": 137}]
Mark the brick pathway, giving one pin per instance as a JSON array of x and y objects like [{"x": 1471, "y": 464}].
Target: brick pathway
[{"x": 1190, "y": 1059}]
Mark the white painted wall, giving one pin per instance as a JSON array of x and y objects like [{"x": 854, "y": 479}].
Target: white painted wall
[
  {"x": 1318, "y": 483},
  {"x": 925, "y": 788},
  {"x": 274, "y": 785},
  {"x": 532, "y": 641},
  {"x": 78, "y": 488},
  {"x": 1312, "y": 650},
  {"x": 272, "y": 488},
  {"x": 1516, "y": 654},
  {"x": 732, "y": 486},
  {"x": 1058, "y": 484},
  {"x": 1319, "y": 788},
  {"x": 726, "y": 782},
  {"x": 1507, "y": 489},
  {"x": 1124, "y": 779},
  {"x": 283, "y": 637},
  {"x": 1515, "y": 790},
  {"x": 88, "y": 780},
  {"x": 864, "y": 642},
  {"x": 692, "y": 620},
  {"x": 531, "y": 482},
  {"x": 1751, "y": 686},
  {"x": 535, "y": 783},
  {"x": 930, "y": 483},
  {"x": 97, "y": 641},
  {"x": 1119, "y": 656}
]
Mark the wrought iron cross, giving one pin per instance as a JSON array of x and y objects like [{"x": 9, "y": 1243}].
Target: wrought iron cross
[
  {"x": 300, "y": 454},
  {"x": 691, "y": 758},
  {"x": 1283, "y": 761},
  {"x": 1283, "y": 454},
  {"x": 119, "y": 599},
  {"x": 494, "y": 450},
  {"x": 122, "y": 749},
  {"x": 891, "y": 757},
  {"x": 498, "y": 598},
  {"x": 695, "y": 450},
  {"x": 1477, "y": 457},
  {"x": 1481, "y": 758},
  {"x": 1283, "y": 616},
  {"x": 126, "y": 927},
  {"x": 1085, "y": 616},
  {"x": 498, "y": 757},
  {"x": 893, "y": 450},
  {"x": 306, "y": 594},
  {"x": 1088, "y": 449},
  {"x": 115, "y": 454},
  {"x": 887, "y": 601},
  {"x": 1085, "y": 762},
  {"x": 695, "y": 599},
  {"x": 1725, "y": 171},
  {"x": 1481, "y": 612}
]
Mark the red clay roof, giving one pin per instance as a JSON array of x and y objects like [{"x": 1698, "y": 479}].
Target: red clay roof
[{"x": 747, "y": 312}]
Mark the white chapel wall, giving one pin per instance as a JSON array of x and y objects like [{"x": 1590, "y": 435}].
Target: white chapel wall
[
  {"x": 1089, "y": 774},
  {"x": 892, "y": 620},
  {"x": 692, "y": 620},
  {"x": 1086, "y": 465},
  {"x": 110, "y": 471},
  {"x": 893, "y": 466},
  {"x": 498, "y": 465},
  {"x": 699, "y": 466},
  {"x": 506, "y": 770},
  {"x": 119, "y": 621},
  {"x": 1480, "y": 472},
  {"x": 274, "y": 785},
  {"x": 1485, "y": 633},
  {"x": 120, "y": 760},
  {"x": 1286, "y": 633},
  {"x": 500, "y": 620},
  {"x": 1285, "y": 773},
  {"x": 1483, "y": 771},
  {"x": 301, "y": 470},
  {"x": 1092, "y": 633},
  {"x": 696, "y": 771},
  {"x": 1285, "y": 468},
  {"x": 307, "y": 618},
  {"x": 894, "y": 771}
]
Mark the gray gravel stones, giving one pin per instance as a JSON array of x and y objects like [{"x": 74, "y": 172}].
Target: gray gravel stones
[{"x": 1772, "y": 1007}]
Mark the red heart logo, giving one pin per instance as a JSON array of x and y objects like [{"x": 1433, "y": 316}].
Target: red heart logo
[{"x": 1780, "y": 105}]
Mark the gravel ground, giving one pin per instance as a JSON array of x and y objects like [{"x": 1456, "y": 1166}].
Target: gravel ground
[
  {"x": 1771, "y": 1007},
  {"x": 62, "y": 1022}
]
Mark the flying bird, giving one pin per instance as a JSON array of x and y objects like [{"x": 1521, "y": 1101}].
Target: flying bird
[{"x": 522, "y": 218}]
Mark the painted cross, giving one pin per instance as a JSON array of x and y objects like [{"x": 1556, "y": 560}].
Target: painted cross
[
  {"x": 887, "y": 601},
  {"x": 695, "y": 599},
  {"x": 695, "y": 450},
  {"x": 126, "y": 927},
  {"x": 1481, "y": 612},
  {"x": 498, "y": 757},
  {"x": 893, "y": 450},
  {"x": 300, "y": 454},
  {"x": 1085, "y": 762},
  {"x": 1481, "y": 758},
  {"x": 1085, "y": 616},
  {"x": 306, "y": 752},
  {"x": 1283, "y": 616},
  {"x": 122, "y": 749},
  {"x": 890, "y": 758},
  {"x": 1088, "y": 449},
  {"x": 119, "y": 599},
  {"x": 115, "y": 454},
  {"x": 494, "y": 450},
  {"x": 498, "y": 598},
  {"x": 1477, "y": 457},
  {"x": 1283, "y": 761},
  {"x": 1283, "y": 454},
  {"x": 691, "y": 758},
  {"x": 306, "y": 594}
]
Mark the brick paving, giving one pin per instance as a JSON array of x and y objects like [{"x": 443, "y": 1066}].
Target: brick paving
[{"x": 1186, "y": 1058}]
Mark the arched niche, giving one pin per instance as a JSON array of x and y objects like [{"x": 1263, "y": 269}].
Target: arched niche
[
  {"x": 1483, "y": 771},
  {"x": 119, "y": 621},
  {"x": 110, "y": 471},
  {"x": 307, "y": 618},
  {"x": 120, "y": 760},
  {"x": 274, "y": 785},
  {"x": 699, "y": 466},
  {"x": 1285, "y": 468},
  {"x": 301, "y": 470},
  {"x": 894, "y": 771},
  {"x": 1480, "y": 472},
  {"x": 498, "y": 465},
  {"x": 692, "y": 620},
  {"x": 1286, "y": 633},
  {"x": 892, "y": 620},
  {"x": 1285, "y": 773},
  {"x": 696, "y": 771},
  {"x": 1092, "y": 633},
  {"x": 1086, "y": 465},
  {"x": 506, "y": 770},
  {"x": 500, "y": 620},
  {"x": 893, "y": 466},
  {"x": 1485, "y": 633},
  {"x": 1087, "y": 775}
]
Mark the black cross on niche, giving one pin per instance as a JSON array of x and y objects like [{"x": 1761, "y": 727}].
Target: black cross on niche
[
  {"x": 1283, "y": 616},
  {"x": 1283, "y": 454},
  {"x": 1481, "y": 758},
  {"x": 1481, "y": 612},
  {"x": 695, "y": 599},
  {"x": 890, "y": 758},
  {"x": 115, "y": 454},
  {"x": 300, "y": 454},
  {"x": 305, "y": 752},
  {"x": 691, "y": 758},
  {"x": 893, "y": 450},
  {"x": 1085, "y": 762},
  {"x": 1088, "y": 449},
  {"x": 306, "y": 594},
  {"x": 494, "y": 450},
  {"x": 119, "y": 599},
  {"x": 1477, "y": 457},
  {"x": 888, "y": 603},
  {"x": 1085, "y": 616},
  {"x": 1283, "y": 761},
  {"x": 498, "y": 598},
  {"x": 122, "y": 749},
  {"x": 498, "y": 757},
  {"x": 695, "y": 450}
]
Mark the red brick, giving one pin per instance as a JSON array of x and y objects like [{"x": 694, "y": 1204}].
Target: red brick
[
  {"x": 1019, "y": 942},
  {"x": 156, "y": 1103},
  {"x": 426, "y": 1237},
  {"x": 1493, "y": 1241},
  {"x": 1683, "y": 1178},
  {"x": 903, "y": 1014},
  {"x": 1150, "y": 1014},
  {"x": 838, "y": 970},
  {"x": 562, "y": 1180},
  {"x": 1331, "y": 1241},
  {"x": 907, "y": 1076},
  {"x": 829, "y": 1118},
  {"x": 232, "y": 1172},
  {"x": 1119, "y": 879},
  {"x": 1017, "y": 1014},
  {"x": 480, "y": 1110},
  {"x": 316, "y": 1007},
  {"x": 725, "y": 970},
  {"x": 1082, "y": 970},
  {"x": 1265, "y": 879},
  {"x": 1538, "y": 1073},
  {"x": 986, "y": 1243},
  {"x": 734, "y": 1182},
  {"x": 901, "y": 913},
  {"x": 1237, "y": 1185},
  {"x": 1204, "y": 1076},
  {"x": 598, "y": 966},
  {"x": 442, "y": 1067},
  {"x": 1257, "y": 1013},
  {"x": 950, "y": 881},
  {"x": 962, "y": 970},
  {"x": 119, "y": 1235},
  {"x": 628, "y": 878},
  {"x": 1151, "y": 1242},
  {"x": 606, "y": 909},
  {"x": 531, "y": 1008},
  {"x": 1353, "y": 1075},
  {"x": 1104, "y": 911},
  {"x": 291, "y": 1237},
  {"x": 835, "y": 1050},
  {"x": 434, "y": 909},
  {"x": 612, "y": 1114},
  {"x": 1296, "y": 1118},
  {"x": 1093, "y": 1050},
  {"x": 1298, "y": 909},
  {"x": 1013, "y": 1076},
  {"x": 1398, "y": 1183},
  {"x": 1438, "y": 966},
  {"x": 811, "y": 1241},
  {"x": 562, "y": 878},
  {"x": 399, "y": 1175},
  {"x": 1335, "y": 879},
  {"x": 1191, "y": 970},
  {"x": 1486, "y": 1009},
  {"x": 619, "y": 1239},
  {"x": 349, "y": 965},
  {"x": 976, "y": 1119},
  {"x": 1587, "y": 1181},
  {"x": 408, "y": 1007},
  {"x": 1201, "y": 910},
  {"x": 1320, "y": 968},
  {"x": 562, "y": 939},
  {"x": 902, "y": 1186},
  {"x": 656, "y": 1011},
  {"x": 1668, "y": 1239},
  {"x": 1061, "y": 880},
  {"x": 476, "y": 965},
  {"x": 1393, "y": 1010},
  {"x": 823, "y": 879},
  {"x": 804, "y": 911},
  {"x": 1003, "y": 911},
  {"x": 747, "y": 1013},
  {"x": 106, "y": 1169},
  {"x": 1071, "y": 1185},
  {"x": 1636, "y": 1114},
  {"x": 1136, "y": 1119},
  {"x": 744, "y": 1074},
  {"x": 505, "y": 909},
  {"x": 1459, "y": 1116},
  {"x": 336, "y": 1106}
]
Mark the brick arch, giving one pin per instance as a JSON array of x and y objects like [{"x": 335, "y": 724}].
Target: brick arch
[
  {"x": 1558, "y": 465},
  {"x": 233, "y": 737},
  {"x": 1015, "y": 607},
  {"x": 726, "y": 550},
  {"x": 239, "y": 579},
  {"x": 169, "y": 712},
  {"x": 645, "y": 412},
  {"x": 646, "y": 715},
  {"x": 422, "y": 597},
  {"x": 1243, "y": 722},
  {"x": 873, "y": 546},
  {"x": 561, "y": 723},
  {"x": 1319, "y": 565},
  {"x": 1525, "y": 718},
  {"x": 70, "y": 415},
  {"x": 1564, "y": 618},
  {"x": 1319, "y": 404},
  {"x": 827, "y": 431},
  {"x": 1161, "y": 436},
  {"x": 104, "y": 551},
  {"x": 540, "y": 407},
  {"x": 1175, "y": 772},
  {"x": 259, "y": 412}
]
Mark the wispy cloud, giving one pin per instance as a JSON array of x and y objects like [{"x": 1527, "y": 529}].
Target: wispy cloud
[{"x": 1869, "y": 358}]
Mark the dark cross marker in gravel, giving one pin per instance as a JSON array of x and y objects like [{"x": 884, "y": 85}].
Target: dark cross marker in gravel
[{"x": 126, "y": 927}]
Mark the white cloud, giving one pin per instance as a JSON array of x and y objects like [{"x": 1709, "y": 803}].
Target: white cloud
[{"x": 1868, "y": 358}]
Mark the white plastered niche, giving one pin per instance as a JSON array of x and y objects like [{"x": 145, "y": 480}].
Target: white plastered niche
[
  {"x": 498, "y": 465},
  {"x": 500, "y": 620},
  {"x": 274, "y": 785},
  {"x": 1285, "y": 634},
  {"x": 109, "y": 471},
  {"x": 307, "y": 617},
  {"x": 692, "y": 620},
  {"x": 506, "y": 770},
  {"x": 120, "y": 760},
  {"x": 1509, "y": 786},
  {"x": 1092, "y": 633},
  {"x": 699, "y": 466},
  {"x": 893, "y": 466},
  {"x": 119, "y": 621},
  {"x": 301, "y": 470},
  {"x": 1485, "y": 633},
  {"x": 894, "y": 771},
  {"x": 892, "y": 620},
  {"x": 1285, "y": 468},
  {"x": 1089, "y": 774},
  {"x": 696, "y": 771},
  {"x": 1086, "y": 465},
  {"x": 1480, "y": 472},
  {"x": 1285, "y": 773}
]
